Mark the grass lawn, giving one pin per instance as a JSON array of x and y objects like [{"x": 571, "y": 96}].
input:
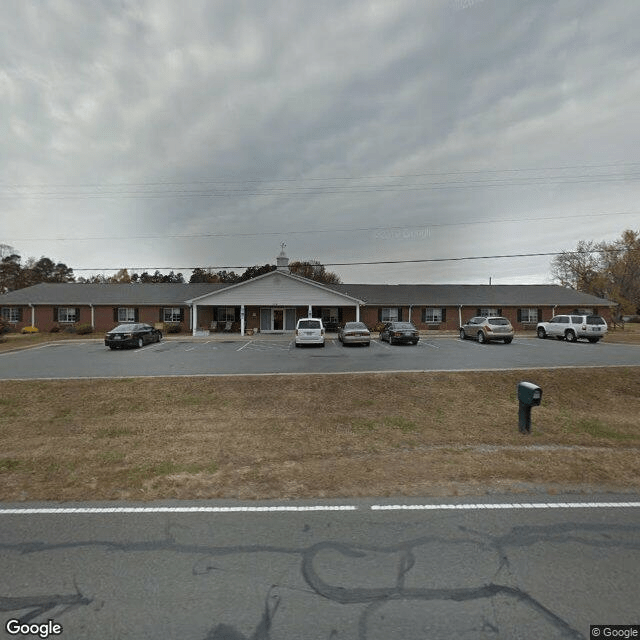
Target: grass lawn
[{"x": 315, "y": 436}]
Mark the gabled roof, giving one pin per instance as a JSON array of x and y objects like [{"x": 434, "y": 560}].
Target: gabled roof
[
  {"x": 171, "y": 294},
  {"x": 73, "y": 293},
  {"x": 271, "y": 275},
  {"x": 469, "y": 295}
]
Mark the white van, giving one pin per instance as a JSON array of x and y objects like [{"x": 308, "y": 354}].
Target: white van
[{"x": 309, "y": 331}]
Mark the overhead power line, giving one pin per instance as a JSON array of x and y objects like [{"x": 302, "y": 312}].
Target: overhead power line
[
  {"x": 335, "y": 230},
  {"x": 348, "y": 264}
]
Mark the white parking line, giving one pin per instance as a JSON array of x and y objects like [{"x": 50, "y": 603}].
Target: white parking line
[
  {"x": 427, "y": 344},
  {"x": 500, "y": 505},
  {"x": 244, "y": 345}
]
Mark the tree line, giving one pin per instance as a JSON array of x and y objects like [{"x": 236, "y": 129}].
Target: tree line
[{"x": 16, "y": 274}]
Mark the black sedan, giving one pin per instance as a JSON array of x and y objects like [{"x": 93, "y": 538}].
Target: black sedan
[
  {"x": 132, "y": 335},
  {"x": 405, "y": 332}
]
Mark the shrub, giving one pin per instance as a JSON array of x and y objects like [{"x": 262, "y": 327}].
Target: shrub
[
  {"x": 83, "y": 329},
  {"x": 55, "y": 329},
  {"x": 379, "y": 326},
  {"x": 5, "y": 327},
  {"x": 30, "y": 330},
  {"x": 173, "y": 327}
]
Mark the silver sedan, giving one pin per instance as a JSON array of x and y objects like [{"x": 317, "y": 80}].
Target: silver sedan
[{"x": 354, "y": 333}]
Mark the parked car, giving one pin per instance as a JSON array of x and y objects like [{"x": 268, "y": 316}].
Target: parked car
[
  {"x": 570, "y": 327},
  {"x": 354, "y": 333},
  {"x": 131, "y": 335},
  {"x": 488, "y": 329},
  {"x": 309, "y": 331},
  {"x": 405, "y": 332}
]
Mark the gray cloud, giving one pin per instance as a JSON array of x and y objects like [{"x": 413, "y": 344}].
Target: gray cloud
[{"x": 164, "y": 119}]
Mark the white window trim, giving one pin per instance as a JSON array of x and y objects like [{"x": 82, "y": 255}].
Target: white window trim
[
  {"x": 529, "y": 315},
  {"x": 126, "y": 314},
  {"x": 171, "y": 314},
  {"x": 488, "y": 311},
  {"x": 11, "y": 314},
  {"x": 436, "y": 313},
  {"x": 390, "y": 317},
  {"x": 66, "y": 313}
]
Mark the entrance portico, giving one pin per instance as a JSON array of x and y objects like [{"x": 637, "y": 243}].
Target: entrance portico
[{"x": 272, "y": 302}]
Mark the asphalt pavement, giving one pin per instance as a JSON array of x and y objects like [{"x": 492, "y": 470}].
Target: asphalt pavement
[
  {"x": 538, "y": 568},
  {"x": 184, "y": 356}
]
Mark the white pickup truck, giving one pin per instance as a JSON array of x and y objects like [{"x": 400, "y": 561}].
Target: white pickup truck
[{"x": 574, "y": 326}]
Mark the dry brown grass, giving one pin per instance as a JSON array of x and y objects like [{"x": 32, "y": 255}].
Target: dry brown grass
[
  {"x": 305, "y": 436},
  {"x": 629, "y": 335}
]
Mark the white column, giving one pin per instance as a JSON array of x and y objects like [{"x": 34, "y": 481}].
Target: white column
[
  {"x": 309, "y": 312},
  {"x": 93, "y": 316},
  {"x": 460, "y": 315},
  {"x": 194, "y": 318},
  {"x": 241, "y": 319},
  {"x": 33, "y": 315},
  {"x": 357, "y": 313}
]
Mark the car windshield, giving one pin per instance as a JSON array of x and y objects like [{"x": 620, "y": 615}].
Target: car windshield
[
  {"x": 405, "y": 326},
  {"x": 498, "y": 321},
  {"x": 595, "y": 320},
  {"x": 355, "y": 325},
  {"x": 309, "y": 324}
]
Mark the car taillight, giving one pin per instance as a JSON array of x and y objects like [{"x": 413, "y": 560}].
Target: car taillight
[{"x": 322, "y": 332}]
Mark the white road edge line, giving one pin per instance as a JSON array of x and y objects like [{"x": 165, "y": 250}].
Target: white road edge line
[
  {"x": 499, "y": 505},
  {"x": 98, "y": 510},
  {"x": 319, "y": 508}
]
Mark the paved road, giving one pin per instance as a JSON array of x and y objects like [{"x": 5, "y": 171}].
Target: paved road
[
  {"x": 279, "y": 355},
  {"x": 514, "y": 572}
]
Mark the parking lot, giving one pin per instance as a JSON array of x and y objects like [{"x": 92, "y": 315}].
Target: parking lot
[{"x": 185, "y": 356}]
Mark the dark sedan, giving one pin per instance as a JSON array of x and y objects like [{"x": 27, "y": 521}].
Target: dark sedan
[
  {"x": 405, "y": 332},
  {"x": 132, "y": 335}
]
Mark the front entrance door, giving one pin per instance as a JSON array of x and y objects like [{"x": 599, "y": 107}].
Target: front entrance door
[{"x": 277, "y": 319}]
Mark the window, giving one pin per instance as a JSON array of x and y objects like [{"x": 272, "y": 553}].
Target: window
[
  {"x": 389, "y": 314},
  {"x": 172, "y": 314},
  {"x": 11, "y": 314},
  {"x": 488, "y": 311},
  {"x": 431, "y": 314},
  {"x": 126, "y": 314},
  {"x": 330, "y": 315},
  {"x": 528, "y": 315},
  {"x": 226, "y": 314},
  {"x": 68, "y": 315}
]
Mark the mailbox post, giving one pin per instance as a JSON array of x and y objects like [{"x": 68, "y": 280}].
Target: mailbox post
[{"x": 529, "y": 395}]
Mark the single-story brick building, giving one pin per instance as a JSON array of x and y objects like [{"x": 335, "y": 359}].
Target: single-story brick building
[{"x": 273, "y": 302}]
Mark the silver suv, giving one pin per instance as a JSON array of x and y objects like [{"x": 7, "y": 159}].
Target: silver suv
[
  {"x": 485, "y": 329},
  {"x": 573, "y": 326}
]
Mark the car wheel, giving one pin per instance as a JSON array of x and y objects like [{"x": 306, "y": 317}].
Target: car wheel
[
  {"x": 542, "y": 334},
  {"x": 481, "y": 337},
  {"x": 463, "y": 335},
  {"x": 414, "y": 343},
  {"x": 593, "y": 340},
  {"x": 159, "y": 337},
  {"x": 571, "y": 336},
  {"x": 390, "y": 340},
  {"x": 508, "y": 340},
  {"x": 140, "y": 343}
]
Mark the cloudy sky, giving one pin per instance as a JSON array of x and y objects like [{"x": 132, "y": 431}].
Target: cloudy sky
[{"x": 166, "y": 134}]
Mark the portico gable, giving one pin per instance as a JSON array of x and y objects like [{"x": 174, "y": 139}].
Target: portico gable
[{"x": 277, "y": 290}]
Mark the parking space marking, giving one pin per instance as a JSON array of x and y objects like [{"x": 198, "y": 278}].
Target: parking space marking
[
  {"x": 427, "y": 344},
  {"x": 245, "y": 345}
]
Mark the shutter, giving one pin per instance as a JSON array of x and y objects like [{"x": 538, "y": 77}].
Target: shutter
[
  {"x": 181, "y": 314},
  {"x": 399, "y": 314},
  {"x": 19, "y": 314},
  {"x": 499, "y": 312},
  {"x": 519, "y": 315},
  {"x": 444, "y": 315},
  {"x": 77, "y": 310},
  {"x": 136, "y": 315},
  {"x": 115, "y": 314},
  {"x": 539, "y": 315},
  {"x": 379, "y": 314},
  {"x": 55, "y": 314},
  {"x": 161, "y": 315},
  {"x": 236, "y": 312},
  {"x": 478, "y": 311}
]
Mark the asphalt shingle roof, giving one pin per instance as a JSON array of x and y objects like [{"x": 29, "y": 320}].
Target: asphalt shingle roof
[{"x": 373, "y": 294}]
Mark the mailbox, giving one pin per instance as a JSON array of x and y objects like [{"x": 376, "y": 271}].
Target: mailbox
[{"x": 529, "y": 395}]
